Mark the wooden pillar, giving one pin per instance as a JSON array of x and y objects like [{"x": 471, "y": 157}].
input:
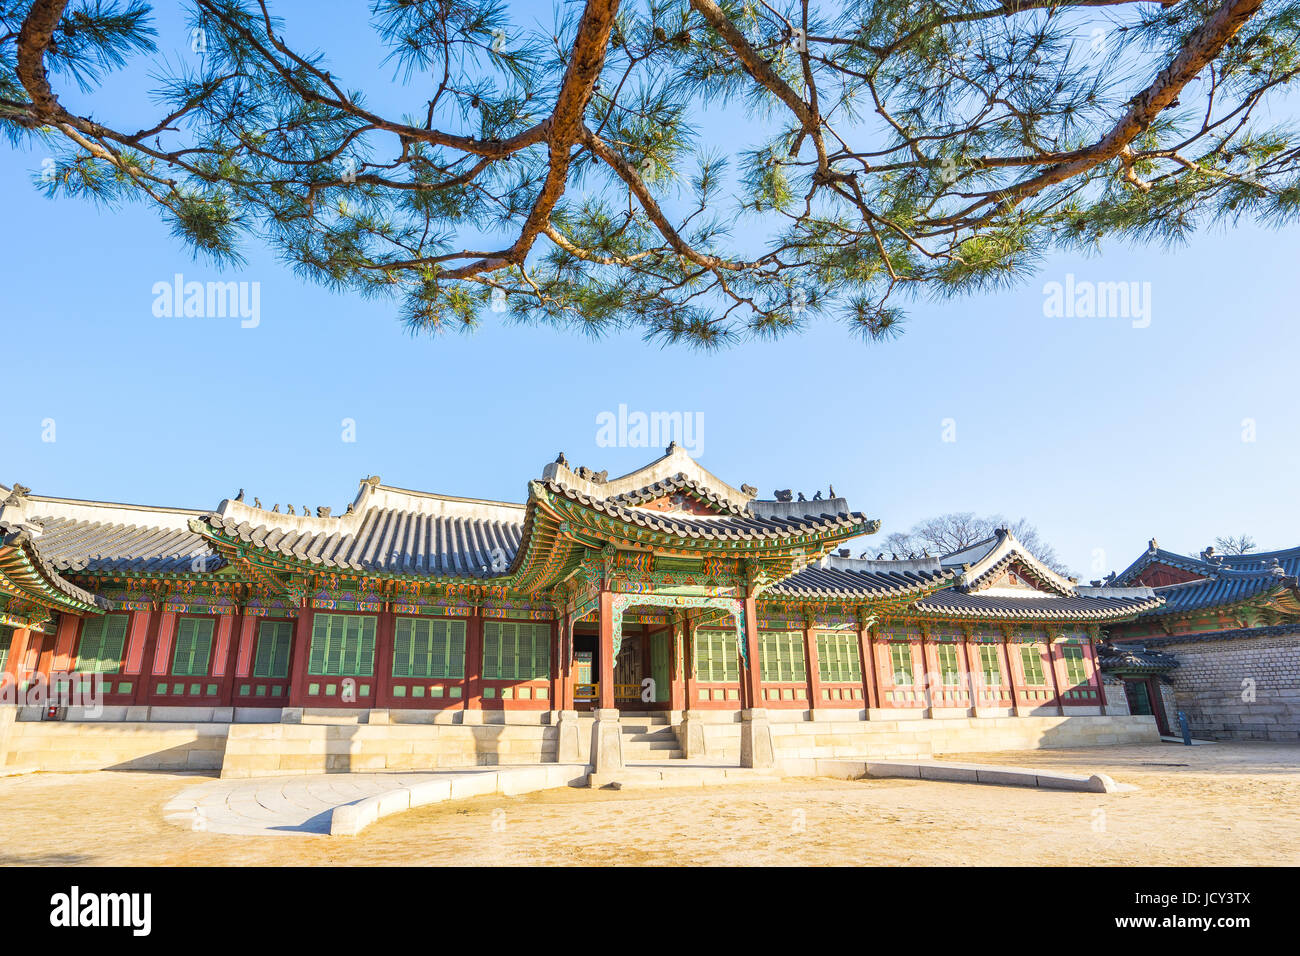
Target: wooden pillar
[
  {"x": 676, "y": 666},
  {"x": 65, "y": 643},
  {"x": 870, "y": 670},
  {"x": 562, "y": 687},
  {"x": 606, "y": 650},
  {"x": 688, "y": 663},
  {"x": 974, "y": 667},
  {"x": 1014, "y": 676},
  {"x": 928, "y": 672},
  {"x": 1053, "y": 662},
  {"x": 246, "y": 644},
  {"x": 386, "y": 625},
  {"x": 15, "y": 664},
  {"x": 814, "y": 671},
  {"x": 144, "y": 666},
  {"x": 301, "y": 657},
  {"x": 752, "y": 680},
  {"x": 1095, "y": 664},
  {"x": 227, "y": 627},
  {"x": 474, "y": 661}
]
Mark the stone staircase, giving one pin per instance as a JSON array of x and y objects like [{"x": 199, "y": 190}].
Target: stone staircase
[{"x": 648, "y": 737}]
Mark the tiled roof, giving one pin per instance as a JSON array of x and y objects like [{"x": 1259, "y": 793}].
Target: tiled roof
[
  {"x": 848, "y": 579},
  {"x": 1223, "y": 589},
  {"x": 12, "y": 536},
  {"x": 394, "y": 542},
  {"x": 723, "y": 527},
  {"x": 1132, "y": 658},
  {"x": 670, "y": 486},
  {"x": 72, "y": 545},
  {"x": 1288, "y": 560},
  {"x": 956, "y": 603}
]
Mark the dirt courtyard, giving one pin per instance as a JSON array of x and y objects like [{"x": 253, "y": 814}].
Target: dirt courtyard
[{"x": 1221, "y": 804}]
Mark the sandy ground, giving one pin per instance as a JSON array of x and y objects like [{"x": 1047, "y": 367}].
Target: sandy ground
[{"x": 1224, "y": 804}]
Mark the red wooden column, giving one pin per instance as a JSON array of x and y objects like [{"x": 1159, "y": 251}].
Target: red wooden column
[
  {"x": 228, "y": 628},
  {"x": 14, "y": 664},
  {"x": 1096, "y": 668},
  {"x": 688, "y": 662},
  {"x": 301, "y": 656},
  {"x": 65, "y": 643},
  {"x": 870, "y": 672},
  {"x": 474, "y": 662},
  {"x": 676, "y": 672},
  {"x": 1054, "y": 663},
  {"x": 974, "y": 667},
  {"x": 143, "y": 667},
  {"x": 752, "y": 680},
  {"x": 928, "y": 675},
  {"x": 386, "y": 625},
  {"x": 1014, "y": 677},
  {"x": 814, "y": 671},
  {"x": 606, "y": 651},
  {"x": 243, "y": 665}
]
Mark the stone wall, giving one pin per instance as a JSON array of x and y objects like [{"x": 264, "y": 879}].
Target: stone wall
[
  {"x": 59, "y": 745},
  {"x": 1239, "y": 688}
]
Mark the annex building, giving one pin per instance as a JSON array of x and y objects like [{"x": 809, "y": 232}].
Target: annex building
[{"x": 662, "y": 615}]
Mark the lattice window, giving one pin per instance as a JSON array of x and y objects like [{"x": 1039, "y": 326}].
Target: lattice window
[
  {"x": 837, "y": 659},
  {"x": 342, "y": 645},
  {"x": 1076, "y": 669},
  {"x": 780, "y": 656},
  {"x": 193, "y": 646},
  {"x": 1031, "y": 660},
  {"x": 102, "y": 640},
  {"x": 428, "y": 647},
  {"x": 991, "y": 665},
  {"x": 949, "y": 671},
  {"x": 716, "y": 656},
  {"x": 274, "y": 644},
  {"x": 900, "y": 660},
  {"x": 6, "y": 641},
  {"x": 516, "y": 650}
]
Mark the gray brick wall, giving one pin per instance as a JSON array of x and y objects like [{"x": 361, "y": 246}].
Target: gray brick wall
[{"x": 1243, "y": 688}]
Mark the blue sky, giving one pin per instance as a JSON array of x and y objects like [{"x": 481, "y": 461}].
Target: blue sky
[{"x": 1100, "y": 433}]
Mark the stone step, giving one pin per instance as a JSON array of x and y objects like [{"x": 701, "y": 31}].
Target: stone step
[
  {"x": 651, "y": 778},
  {"x": 659, "y": 733},
  {"x": 669, "y": 743}
]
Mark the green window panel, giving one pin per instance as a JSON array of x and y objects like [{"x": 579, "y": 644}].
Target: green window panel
[
  {"x": 780, "y": 656},
  {"x": 1076, "y": 670},
  {"x": 274, "y": 644},
  {"x": 516, "y": 650},
  {"x": 342, "y": 645},
  {"x": 6, "y": 641},
  {"x": 1031, "y": 660},
  {"x": 193, "y": 647},
  {"x": 716, "y": 656},
  {"x": 900, "y": 659},
  {"x": 660, "y": 668},
  {"x": 837, "y": 659},
  {"x": 102, "y": 641},
  {"x": 991, "y": 665},
  {"x": 428, "y": 647},
  {"x": 949, "y": 671}
]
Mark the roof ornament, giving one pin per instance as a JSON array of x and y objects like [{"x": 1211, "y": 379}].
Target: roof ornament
[
  {"x": 1110, "y": 578},
  {"x": 561, "y": 460},
  {"x": 352, "y": 509},
  {"x": 322, "y": 512},
  {"x": 288, "y": 509},
  {"x": 1208, "y": 554},
  {"x": 257, "y": 503},
  {"x": 831, "y": 492},
  {"x": 1275, "y": 568},
  {"x": 784, "y": 495},
  {"x": 1152, "y": 547},
  {"x": 306, "y": 510},
  {"x": 801, "y": 497},
  {"x": 672, "y": 447},
  {"x": 749, "y": 490},
  {"x": 275, "y": 509},
  {"x": 16, "y": 494},
  {"x": 817, "y": 496},
  {"x": 240, "y": 496}
]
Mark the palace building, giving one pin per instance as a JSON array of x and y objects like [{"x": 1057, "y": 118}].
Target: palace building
[
  {"x": 661, "y": 615},
  {"x": 1222, "y": 647}
]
